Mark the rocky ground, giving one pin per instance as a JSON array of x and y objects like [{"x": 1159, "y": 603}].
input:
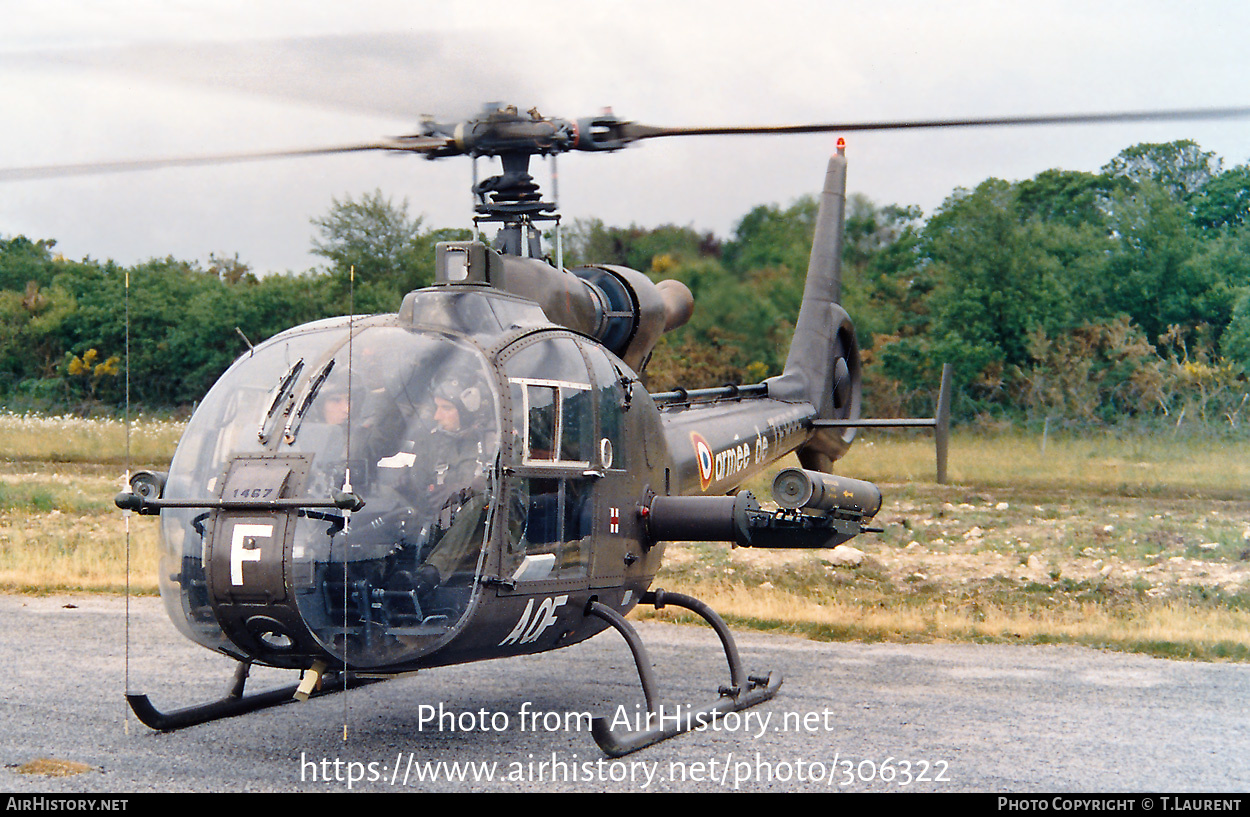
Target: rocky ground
[
  {"x": 944, "y": 539},
  {"x": 1166, "y": 544}
]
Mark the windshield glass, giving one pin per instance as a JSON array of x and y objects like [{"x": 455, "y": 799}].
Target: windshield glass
[{"x": 408, "y": 423}]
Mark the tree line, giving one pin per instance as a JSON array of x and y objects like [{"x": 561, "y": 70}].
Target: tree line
[
  {"x": 63, "y": 322},
  {"x": 1072, "y": 297},
  {"x": 1088, "y": 298}
]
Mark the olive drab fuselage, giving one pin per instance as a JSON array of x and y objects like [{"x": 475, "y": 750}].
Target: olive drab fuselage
[{"x": 535, "y": 518}]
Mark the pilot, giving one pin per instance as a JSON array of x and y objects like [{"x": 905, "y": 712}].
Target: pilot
[
  {"x": 456, "y": 443},
  {"x": 338, "y": 404},
  {"x": 446, "y": 470},
  {"x": 326, "y": 433},
  {"x": 335, "y": 405}
]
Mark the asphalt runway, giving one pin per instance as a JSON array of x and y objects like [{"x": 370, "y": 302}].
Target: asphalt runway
[{"x": 849, "y": 717}]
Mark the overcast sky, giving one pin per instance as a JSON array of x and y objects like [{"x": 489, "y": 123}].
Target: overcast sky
[{"x": 88, "y": 80}]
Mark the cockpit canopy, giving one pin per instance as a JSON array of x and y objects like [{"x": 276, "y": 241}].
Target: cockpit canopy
[{"x": 407, "y": 420}]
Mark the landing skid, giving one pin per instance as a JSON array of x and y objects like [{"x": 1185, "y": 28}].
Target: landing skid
[
  {"x": 235, "y": 702},
  {"x": 743, "y": 692}
]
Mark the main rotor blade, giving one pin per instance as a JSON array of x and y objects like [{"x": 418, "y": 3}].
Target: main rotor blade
[
  {"x": 631, "y": 131},
  {"x": 411, "y": 144},
  {"x": 622, "y": 133}
]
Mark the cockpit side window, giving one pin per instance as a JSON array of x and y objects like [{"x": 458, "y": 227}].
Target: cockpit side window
[
  {"x": 559, "y": 423},
  {"x": 541, "y": 424},
  {"x": 550, "y": 491}
]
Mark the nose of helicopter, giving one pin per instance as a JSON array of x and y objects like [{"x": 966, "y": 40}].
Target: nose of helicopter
[{"x": 274, "y": 568}]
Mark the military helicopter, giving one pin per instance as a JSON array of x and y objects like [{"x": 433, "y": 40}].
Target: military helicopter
[{"x": 483, "y": 473}]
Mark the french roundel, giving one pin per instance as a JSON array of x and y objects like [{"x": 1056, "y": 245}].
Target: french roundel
[{"x": 703, "y": 452}]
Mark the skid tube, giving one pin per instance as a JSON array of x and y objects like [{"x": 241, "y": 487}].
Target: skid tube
[
  {"x": 234, "y": 703},
  {"x": 743, "y": 691}
]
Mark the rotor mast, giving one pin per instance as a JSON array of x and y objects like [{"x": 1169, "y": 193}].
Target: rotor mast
[{"x": 512, "y": 199}]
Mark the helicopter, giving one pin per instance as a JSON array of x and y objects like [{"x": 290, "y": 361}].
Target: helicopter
[{"x": 483, "y": 474}]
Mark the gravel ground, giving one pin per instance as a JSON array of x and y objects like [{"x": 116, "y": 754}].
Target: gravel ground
[{"x": 849, "y": 717}]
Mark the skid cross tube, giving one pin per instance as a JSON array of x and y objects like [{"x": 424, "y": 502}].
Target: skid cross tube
[
  {"x": 743, "y": 692},
  {"x": 234, "y": 703}
]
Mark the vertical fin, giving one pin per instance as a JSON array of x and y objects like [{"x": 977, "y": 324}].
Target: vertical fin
[
  {"x": 822, "y": 366},
  {"x": 824, "y": 269}
]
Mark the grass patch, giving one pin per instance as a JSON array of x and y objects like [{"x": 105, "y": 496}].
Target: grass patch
[
  {"x": 1162, "y": 465},
  {"x": 60, "y": 532},
  {"x": 38, "y": 438},
  {"x": 54, "y": 767},
  {"x": 989, "y": 614},
  {"x": 57, "y": 552}
]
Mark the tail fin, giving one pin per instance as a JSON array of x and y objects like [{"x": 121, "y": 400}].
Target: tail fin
[{"x": 823, "y": 364}]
